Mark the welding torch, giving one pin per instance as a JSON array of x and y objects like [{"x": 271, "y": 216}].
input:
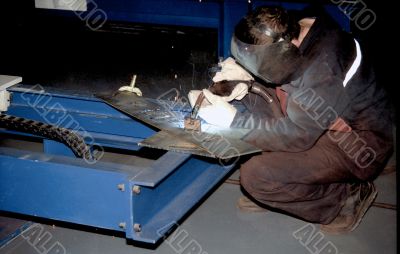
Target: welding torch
[{"x": 223, "y": 88}]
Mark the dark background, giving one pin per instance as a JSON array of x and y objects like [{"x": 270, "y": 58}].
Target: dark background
[{"x": 63, "y": 52}]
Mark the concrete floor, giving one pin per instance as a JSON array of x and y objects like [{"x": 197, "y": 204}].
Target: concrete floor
[{"x": 217, "y": 226}]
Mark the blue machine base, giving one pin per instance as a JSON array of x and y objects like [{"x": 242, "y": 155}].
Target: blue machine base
[{"x": 145, "y": 202}]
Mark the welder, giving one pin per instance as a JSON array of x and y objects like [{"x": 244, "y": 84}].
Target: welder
[{"x": 327, "y": 133}]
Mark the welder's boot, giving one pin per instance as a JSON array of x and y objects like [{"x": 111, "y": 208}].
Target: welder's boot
[
  {"x": 361, "y": 197},
  {"x": 247, "y": 205}
]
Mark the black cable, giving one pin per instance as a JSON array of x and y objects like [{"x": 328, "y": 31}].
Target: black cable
[{"x": 63, "y": 135}]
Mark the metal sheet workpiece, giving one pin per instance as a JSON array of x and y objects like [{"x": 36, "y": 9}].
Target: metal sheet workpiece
[{"x": 168, "y": 116}]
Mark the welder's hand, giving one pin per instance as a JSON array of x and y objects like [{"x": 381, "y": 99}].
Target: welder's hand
[
  {"x": 230, "y": 70},
  {"x": 239, "y": 91},
  {"x": 219, "y": 112},
  {"x": 192, "y": 95}
]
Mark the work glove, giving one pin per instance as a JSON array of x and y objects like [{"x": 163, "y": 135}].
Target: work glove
[
  {"x": 230, "y": 70},
  {"x": 192, "y": 95},
  {"x": 218, "y": 111},
  {"x": 239, "y": 91}
]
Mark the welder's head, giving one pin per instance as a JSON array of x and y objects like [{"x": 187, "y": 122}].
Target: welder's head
[
  {"x": 262, "y": 44},
  {"x": 266, "y": 25}
]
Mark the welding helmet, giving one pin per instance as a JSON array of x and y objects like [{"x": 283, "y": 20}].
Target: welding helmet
[{"x": 273, "y": 59}]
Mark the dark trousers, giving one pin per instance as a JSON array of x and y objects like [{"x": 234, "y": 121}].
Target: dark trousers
[{"x": 311, "y": 185}]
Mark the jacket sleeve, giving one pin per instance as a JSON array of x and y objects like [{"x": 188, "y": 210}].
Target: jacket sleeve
[{"x": 314, "y": 102}]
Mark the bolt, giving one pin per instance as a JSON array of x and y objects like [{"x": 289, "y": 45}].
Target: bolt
[
  {"x": 136, "y": 189},
  {"x": 137, "y": 227},
  {"x": 121, "y": 187},
  {"x": 122, "y": 225}
]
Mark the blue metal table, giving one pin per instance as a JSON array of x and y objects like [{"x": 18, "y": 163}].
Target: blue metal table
[{"x": 145, "y": 202}]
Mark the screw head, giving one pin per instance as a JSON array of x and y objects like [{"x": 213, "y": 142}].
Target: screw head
[
  {"x": 122, "y": 225},
  {"x": 121, "y": 187},
  {"x": 136, "y": 189},
  {"x": 137, "y": 227}
]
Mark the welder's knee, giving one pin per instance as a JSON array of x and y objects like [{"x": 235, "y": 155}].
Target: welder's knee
[{"x": 258, "y": 181}]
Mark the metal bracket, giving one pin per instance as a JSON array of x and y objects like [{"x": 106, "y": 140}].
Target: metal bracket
[
  {"x": 6, "y": 82},
  {"x": 4, "y": 100}
]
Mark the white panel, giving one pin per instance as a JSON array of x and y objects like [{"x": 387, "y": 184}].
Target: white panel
[
  {"x": 4, "y": 100},
  {"x": 71, "y": 5},
  {"x": 7, "y": 81}
]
